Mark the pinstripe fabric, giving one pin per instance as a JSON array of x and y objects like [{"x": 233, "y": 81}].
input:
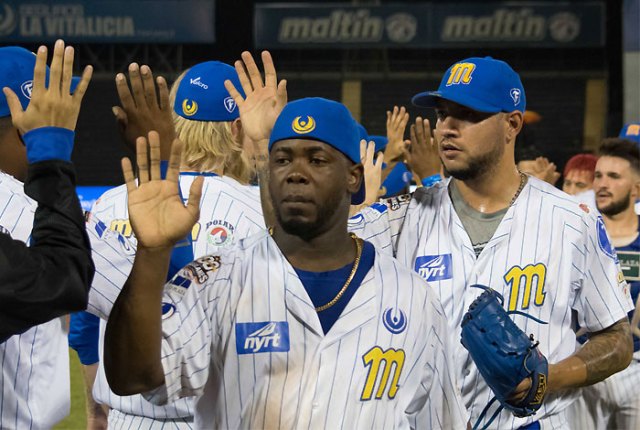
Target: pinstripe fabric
[
  {"x": 228, "y": 211},
  {"x": 34, "y": 383},
  {"x": 321, "y": 380},
  {"x": 614, "y": 402},
  {"x": 545, "y": 241}
]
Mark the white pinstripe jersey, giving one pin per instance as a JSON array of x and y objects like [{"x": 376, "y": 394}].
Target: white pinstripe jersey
[
  {"x": 240, "y": 330},
  {"x": 34, "y": 384},
  {"x": 547, "y": 257},
  {"x": 228, "y": 211}
]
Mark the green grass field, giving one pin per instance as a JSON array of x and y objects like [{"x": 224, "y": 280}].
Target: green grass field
[{"x": 77, "y": 419}]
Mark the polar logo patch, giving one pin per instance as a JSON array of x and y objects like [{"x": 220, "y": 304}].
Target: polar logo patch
[
  {"x": 434, "y": 267},
  {"x": 266, "y": 336}
]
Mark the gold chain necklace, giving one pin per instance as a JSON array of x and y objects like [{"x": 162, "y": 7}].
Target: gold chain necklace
[
  {"x": 354, "y": 269},
  {"x": 523, "y": 178}
]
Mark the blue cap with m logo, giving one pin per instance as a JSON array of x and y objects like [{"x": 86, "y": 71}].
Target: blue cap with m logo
[{"x": 481, "y": 84}]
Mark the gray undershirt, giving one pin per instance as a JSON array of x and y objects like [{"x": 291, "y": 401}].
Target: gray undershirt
[{"x": 479, "y": 226}]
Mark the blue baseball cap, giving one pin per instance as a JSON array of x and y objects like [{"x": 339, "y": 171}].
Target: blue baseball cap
[
  {"x": 324, "y": 120},
  {"x": 201, "y": 95},
  {"x": 362, "y": 132},
  {"x": 398, "y": 179},
  {"x": 16, "y": 72},
  {"x": 481, "y": 84},
  {"x": 631, "y": 132},
  {"x": 380, "y": 142}
]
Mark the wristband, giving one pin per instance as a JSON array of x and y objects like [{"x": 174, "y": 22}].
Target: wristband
[
  {"x": 431, "y": 180},
  {"x": 48, "y": 143}
]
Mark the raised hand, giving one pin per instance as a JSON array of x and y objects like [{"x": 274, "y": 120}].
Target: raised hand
[
  {"x": 422, "y": 157},
  {"x": 396, "y": 124},
  {"x": 372, "y": 172},
  {"x": 263, "y": 100},
  {"x": 545, "y": 170},
  {"x": 143, "y": 109},
  {"x": 158, "y": 216},
  {"x": 54, "y": 106}
]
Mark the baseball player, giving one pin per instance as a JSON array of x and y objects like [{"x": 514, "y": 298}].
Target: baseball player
[
  {"x": 578, "y": 174},
  {"x": 53, "y": 275},
  {"x": 489, "y": 224},
  {"x": 303, "y": 327},
  {"x": 206, "y": 119},
  {"x": 614, "y": 402}
]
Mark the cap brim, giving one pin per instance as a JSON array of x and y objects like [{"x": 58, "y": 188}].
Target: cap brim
[
  {"x": 427, "y": 99},
  {"x": 430, "y": 99}
]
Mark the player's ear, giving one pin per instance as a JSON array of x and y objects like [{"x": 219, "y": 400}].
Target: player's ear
[
  {"x": 236, "y": 131},
  {"x": 514, "y": 121},
  {"x": 356, "y": 176}
]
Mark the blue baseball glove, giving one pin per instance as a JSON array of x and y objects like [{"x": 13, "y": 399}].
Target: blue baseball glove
[{"x": 504, "y": 354}]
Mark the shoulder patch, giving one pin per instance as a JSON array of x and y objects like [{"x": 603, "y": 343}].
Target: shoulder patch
[{"x": 603, "y": 239}]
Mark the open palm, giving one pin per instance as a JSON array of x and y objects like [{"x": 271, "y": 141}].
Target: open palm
[
  {"x": 264, "y": 100},
  {"x": 158, "y": 216}
]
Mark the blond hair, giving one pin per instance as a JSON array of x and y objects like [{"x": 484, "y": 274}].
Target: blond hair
[{"x": 210, "y": 145}]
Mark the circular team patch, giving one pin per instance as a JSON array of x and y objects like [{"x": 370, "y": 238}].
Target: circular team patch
[
  {"x": 167, "y": 310},
  {"x": 395, "y": 322},
  {"x": 220, "y": 236}
]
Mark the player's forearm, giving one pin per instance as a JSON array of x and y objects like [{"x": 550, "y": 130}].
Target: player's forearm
[
  {"x": 134, "y": 330},
  {"x": 607, "y": 352}
]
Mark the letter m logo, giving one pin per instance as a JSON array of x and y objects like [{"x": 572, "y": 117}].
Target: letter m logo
[
  {"x": 384, "y": 367},
  {"x": 461, "y": 73}
]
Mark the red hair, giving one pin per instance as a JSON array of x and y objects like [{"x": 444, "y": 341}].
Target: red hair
[{"x": 585, "y": 162}]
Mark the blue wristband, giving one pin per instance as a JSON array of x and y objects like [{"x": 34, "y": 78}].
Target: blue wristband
[
  {"x": 48, "y": 143},
  {"x": 431, "y": 180}
]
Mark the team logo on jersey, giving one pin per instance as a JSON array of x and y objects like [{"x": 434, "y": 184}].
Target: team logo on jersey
[
  {"x": 394, "y": 321},
  {"x": 603, "y": 240},
  {"x": 266, "y": 336},
  {"x": 198, "y": 270},
  {"x": 434, "y": 267},
  {"x": 584, "y": 207},
  {"x": 385, "y": 368},
  {"x": 178, "y": 285},
  {"x": 394, "y": 203},
  {"x": 229, "y": 104},
  {"x": 303, "y": 126},
  {"x": 4, "y": 230},
  {"x": 220, "y": 233},
  {"x": 189, "y": 108},
  {"x": 167, "y": 310},
  {"x": 219, "y": 236}
]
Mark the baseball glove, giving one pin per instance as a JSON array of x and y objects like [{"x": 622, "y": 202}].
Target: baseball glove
[{"x": 504, "y": 354}]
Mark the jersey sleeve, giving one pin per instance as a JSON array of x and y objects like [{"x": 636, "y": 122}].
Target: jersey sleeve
[
  {"x": 113, "y": 256},
  {"x": 84, "y": 332},
  {"x": 52, "y": 276},
  {"x": 438, "y": 401},
  {"x": 190, "y": 327},
  {"x": 381, "y": 223},
  {"x": 602, "y": 295}
]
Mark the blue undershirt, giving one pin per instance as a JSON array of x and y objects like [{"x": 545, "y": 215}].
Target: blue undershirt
[{"x": 322, "y": 287}]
